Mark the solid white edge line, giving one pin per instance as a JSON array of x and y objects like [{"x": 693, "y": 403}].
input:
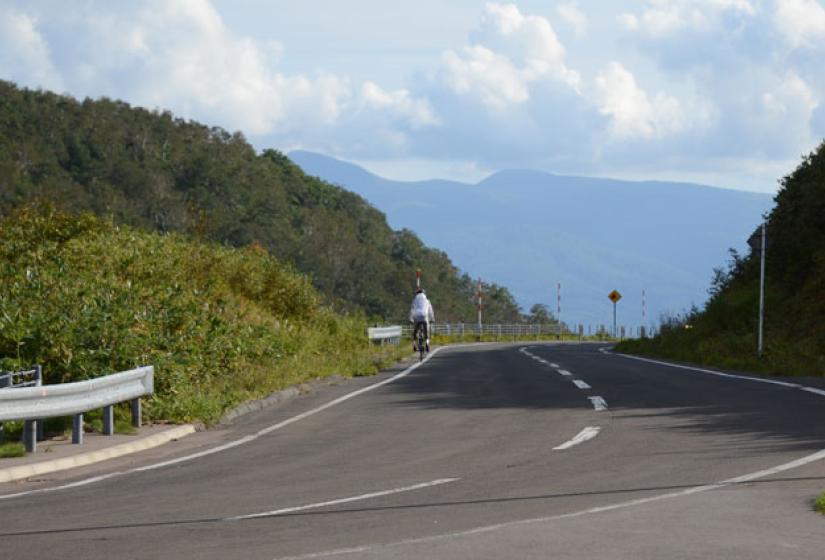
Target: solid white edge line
[
  {"x": 819, "y": 455},
  {"x": 720, "y": 374},
  {"x": 232, "y": 444},
  {"x": 344, "y": 500},
  {"x": 581, "y": 384},
  {"x": 585, "y": 435}
]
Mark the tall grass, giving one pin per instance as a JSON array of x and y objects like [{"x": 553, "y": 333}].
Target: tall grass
[
  {"x": 85, "y": 298},
  {"x": 724, "y": 335}
]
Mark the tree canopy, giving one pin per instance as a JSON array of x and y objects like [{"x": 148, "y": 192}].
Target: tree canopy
[{"x": 152, "y": 170}]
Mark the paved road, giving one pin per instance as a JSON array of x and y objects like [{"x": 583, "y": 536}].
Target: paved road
[{"x": 494, "y": 451}]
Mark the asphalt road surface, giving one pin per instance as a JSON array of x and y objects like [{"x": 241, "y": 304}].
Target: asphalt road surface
[{"x": 488, "y": 451}]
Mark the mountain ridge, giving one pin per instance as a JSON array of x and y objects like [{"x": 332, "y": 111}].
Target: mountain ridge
[{"x": 531, "y": 229}]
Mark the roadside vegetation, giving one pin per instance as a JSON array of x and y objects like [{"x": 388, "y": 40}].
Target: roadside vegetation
[
  {"x": 84, "y": 297},
  {"x": 12, "y": 449},
  {"x": 819, "y": 504},
  {"x": 154, "y": 171},
  {"x": 723, "y": 334}
]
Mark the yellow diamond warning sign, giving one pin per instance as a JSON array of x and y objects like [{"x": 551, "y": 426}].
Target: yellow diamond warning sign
[{"x": 614, "y": 296}]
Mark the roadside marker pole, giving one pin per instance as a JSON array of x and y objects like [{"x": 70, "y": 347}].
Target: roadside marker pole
[
  {"x": 614, "y": 296},
  {"x": 558, "y": 307},
  {"x": 760, "y": 346},
  {"x": 480, "y": 306},
  {"x": 614, "y": 319},
  {"x": 644, "y": 313}
]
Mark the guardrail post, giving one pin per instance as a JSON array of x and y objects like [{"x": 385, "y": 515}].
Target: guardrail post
[
  {"x": 5, "y": 379},
  {"x": 77, "y": 429},
  {"x": 136, "y": 420},
  {"x": 108, "y": 420},
  {"x": 30, "y": 435}
]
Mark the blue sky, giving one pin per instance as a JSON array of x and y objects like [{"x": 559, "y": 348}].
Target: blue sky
[{"x": 723, "y": 92}]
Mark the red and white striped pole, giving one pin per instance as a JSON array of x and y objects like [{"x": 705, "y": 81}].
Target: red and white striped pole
[
  {"x": 480, "y": 305},
  {"x": 558, "y": 306},
  {"x": 417, "y": 278},
  {"x": 644, "y": 307},
  {"x": 644, "y": 313}
]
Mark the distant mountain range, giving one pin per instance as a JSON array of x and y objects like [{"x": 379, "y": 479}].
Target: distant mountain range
[{"x": 530, "y": 230}]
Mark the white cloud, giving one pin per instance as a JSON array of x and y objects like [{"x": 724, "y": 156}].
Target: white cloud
[
  {"x": 787, "y": 110},
  {"x": 628, "y": 21},
  {"x": 802, "y": 22},
  {"x": 509, "y": 52},
  {"x": 188, "y": 56},
  {"x": 417, "y": 112},
  {"x": 665, "y": 17},
  {"x": 633, "y": 112},
  {"x": 709, "y": 81},
  {"x": 488, "y": 75},
  {"x": 24, "y": 55},
  {"x": 574, "y": 17},
  {"x": 740, "y": 6}
]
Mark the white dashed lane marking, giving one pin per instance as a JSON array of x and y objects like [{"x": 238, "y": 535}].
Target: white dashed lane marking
[
  {"x": 586, "y": 434},
  {"x": 599, "y": 403}
]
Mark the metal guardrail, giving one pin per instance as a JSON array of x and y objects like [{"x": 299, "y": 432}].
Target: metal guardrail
[
  {"x": 27, "y": 378},
  {"x": 32, "y": 404},
  {"x": 511, "y": 330},
  {"x": 385, "y": 335},
  {"x": 525, "y": 330}
]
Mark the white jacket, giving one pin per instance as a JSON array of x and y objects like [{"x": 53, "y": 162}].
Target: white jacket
[{"x": 421, "y": 309}]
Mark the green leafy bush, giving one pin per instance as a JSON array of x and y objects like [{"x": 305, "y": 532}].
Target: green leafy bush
[
  {"x": 819, "y": 504},
  {"x": 84, "y": 298},
  {"x": 12, "y": 449}
]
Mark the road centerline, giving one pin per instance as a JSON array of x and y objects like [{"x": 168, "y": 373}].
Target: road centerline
[{"x": 599, "y": 403}]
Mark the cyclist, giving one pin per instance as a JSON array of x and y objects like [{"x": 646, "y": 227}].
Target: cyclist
[{"x": 421, "y": 316}]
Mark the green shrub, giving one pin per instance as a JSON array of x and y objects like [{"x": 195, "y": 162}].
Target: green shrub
[
  {"x": 85, "y": 298},
  {"x": 819, "y": 504},
  {"x": 12, "y": 449}
]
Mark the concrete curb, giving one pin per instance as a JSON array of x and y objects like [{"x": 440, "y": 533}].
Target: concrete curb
[
  {"x": 25, "y": 471},
  {"x": 279, "y": 397}
]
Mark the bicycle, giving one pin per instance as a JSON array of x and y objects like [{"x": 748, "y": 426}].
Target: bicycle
[{"x": 420, "y": 343}]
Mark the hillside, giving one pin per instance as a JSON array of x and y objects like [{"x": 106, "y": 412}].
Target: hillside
[
  {"x": 528, "y": 230},
  {"x": 84, "y": 297},
  {"x": 151, "y": 170},
  {"x": 724, "y": 332}
]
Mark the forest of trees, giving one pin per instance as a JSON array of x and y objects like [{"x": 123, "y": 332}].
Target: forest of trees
[
  {"x": 151, "y": 170},
  {"x": 724, "y": 333}
]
